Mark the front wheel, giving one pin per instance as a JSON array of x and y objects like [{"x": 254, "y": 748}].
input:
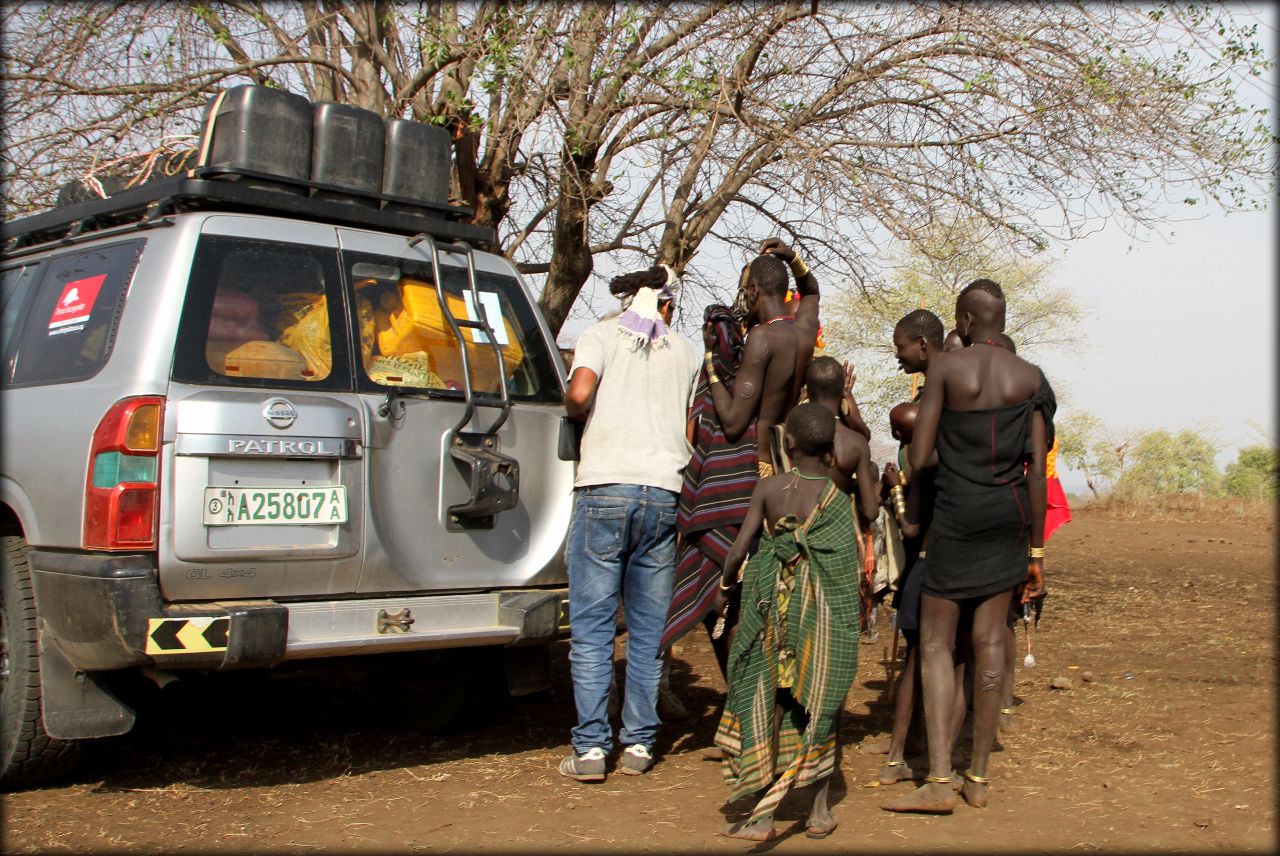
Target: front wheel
[{"x": 28, "y": 756}]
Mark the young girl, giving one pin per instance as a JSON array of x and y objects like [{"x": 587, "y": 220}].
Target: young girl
[{"x": 795, "y": 650}]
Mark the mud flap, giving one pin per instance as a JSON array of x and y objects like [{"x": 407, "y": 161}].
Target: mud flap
[
  {"x": 74, "y": 704},
  {"x": 528, "y": 659},
  {"x": 528, "y": 669}
]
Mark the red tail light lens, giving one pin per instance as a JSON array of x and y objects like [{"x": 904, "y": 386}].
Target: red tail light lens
[{"x": 122, "y": 490}]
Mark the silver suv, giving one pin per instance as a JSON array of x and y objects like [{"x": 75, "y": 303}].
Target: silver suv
[{"x": 244, "y": 425}]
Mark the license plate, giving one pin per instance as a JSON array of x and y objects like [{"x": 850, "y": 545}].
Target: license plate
[{"x": 274, "y": 506}]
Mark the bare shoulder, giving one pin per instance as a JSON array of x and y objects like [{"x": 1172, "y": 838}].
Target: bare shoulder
[
  {"x": 769, "y": 489},
  {"x": 760, "y": 342},
  {"x": 940, "y": 365},
  {"x": 851, "y": 442},
  {"x": 1027, "y": 373}
]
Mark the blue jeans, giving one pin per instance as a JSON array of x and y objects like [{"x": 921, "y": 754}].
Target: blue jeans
[{"x": 622, "y": 541}]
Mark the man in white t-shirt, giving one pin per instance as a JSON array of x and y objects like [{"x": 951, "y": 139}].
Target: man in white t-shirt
[{"x": 632, "y": 380}]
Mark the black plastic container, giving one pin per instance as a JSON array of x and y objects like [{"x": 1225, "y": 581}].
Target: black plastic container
[
  {"x": 75, "y": 192},
  {"x": 417, "y": 163},
  {"x": 347, "y": 150},
  {"x": 262, "y": 130}
]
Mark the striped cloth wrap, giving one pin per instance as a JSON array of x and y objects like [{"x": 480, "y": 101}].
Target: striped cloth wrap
[
  {"x": 716, "y": 491},
  {"x": 820, "y": 626}
]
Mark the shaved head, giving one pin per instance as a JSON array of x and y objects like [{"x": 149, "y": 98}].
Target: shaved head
[
  {"x": 980, "y": 311},
  {"x": 902, "y": 421},
  {"x": 825, "y": 377},
  {"x": 812, "y": 428},
  {"x": 768, "y": 272}
]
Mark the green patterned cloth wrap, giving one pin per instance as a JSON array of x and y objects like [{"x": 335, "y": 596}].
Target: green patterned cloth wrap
[{"x": 820, "y": 625}]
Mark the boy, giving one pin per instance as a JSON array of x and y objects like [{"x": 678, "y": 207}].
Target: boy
[{"x": 794, "y": 655}]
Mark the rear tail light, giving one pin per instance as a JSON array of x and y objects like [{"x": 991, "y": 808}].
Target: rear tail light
[{"x": 122, "y": 491}]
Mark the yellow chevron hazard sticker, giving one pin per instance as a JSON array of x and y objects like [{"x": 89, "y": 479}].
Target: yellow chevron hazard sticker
[{"x": 195, "y": 635}]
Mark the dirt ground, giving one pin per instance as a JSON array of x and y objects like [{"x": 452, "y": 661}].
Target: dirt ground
[{"x": 1170, "y": 746}]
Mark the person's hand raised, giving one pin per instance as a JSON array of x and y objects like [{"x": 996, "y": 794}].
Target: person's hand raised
[
  {"x": 775, "y": 247},
  {"x": 709, "y": 335},
  {"x": 850, "y": 376}
]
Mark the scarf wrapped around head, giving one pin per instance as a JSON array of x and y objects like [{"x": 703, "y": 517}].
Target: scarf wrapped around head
[{"x": 641, "y": 321}]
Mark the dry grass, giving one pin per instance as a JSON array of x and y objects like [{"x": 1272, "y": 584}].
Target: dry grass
[{"x": 1181, "y": 508}]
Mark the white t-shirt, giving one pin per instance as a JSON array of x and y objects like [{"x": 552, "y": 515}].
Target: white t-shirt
[{"x": 635, "y": 432}]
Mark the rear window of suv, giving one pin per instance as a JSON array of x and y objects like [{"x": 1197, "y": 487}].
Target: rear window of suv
[
  {"x": 263, "y": 314},
  {"x": 405, "y": 339},
  {"x": 69, "y": 324}
]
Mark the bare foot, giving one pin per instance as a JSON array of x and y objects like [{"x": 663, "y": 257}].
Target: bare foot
[
  {"x": 880, "y": 747},
  {"x": 929, "y": 798},
  {"x": 820, "y": 825},
  {"x": 715, "y": 753},
  {"x": 1007, "y": 724},
  {"x": 761, "y": 830},
  {"x": 974, "y": 793},
  {"x": 894, "y": 773}
]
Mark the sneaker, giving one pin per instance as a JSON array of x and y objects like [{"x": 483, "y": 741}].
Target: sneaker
[
  {"x": 587, "y": 767},
  {"x": 670, "y": 708},
  {"x": 636, "y": 760}
]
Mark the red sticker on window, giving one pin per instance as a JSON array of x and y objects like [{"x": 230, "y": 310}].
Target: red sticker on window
[{"x": 76, "y": 303}]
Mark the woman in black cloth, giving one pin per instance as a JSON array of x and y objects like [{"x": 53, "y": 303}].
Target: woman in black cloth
[{"x": 989, "y": 414}]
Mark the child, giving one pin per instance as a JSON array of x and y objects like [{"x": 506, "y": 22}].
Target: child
[
  {"x": 906, "y": 600},
  {"x": 795, "y": 652}
]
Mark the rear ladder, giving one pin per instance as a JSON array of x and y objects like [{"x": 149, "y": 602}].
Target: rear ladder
[{"x": 493, "y": 478}]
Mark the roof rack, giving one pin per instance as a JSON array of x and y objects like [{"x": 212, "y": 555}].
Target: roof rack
[
  {"x": 211, "y": 190},
  {"x": 268, "y": 151}
]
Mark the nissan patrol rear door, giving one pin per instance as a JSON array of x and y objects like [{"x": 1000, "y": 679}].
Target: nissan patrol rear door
[{"x": 412, "y": 387}]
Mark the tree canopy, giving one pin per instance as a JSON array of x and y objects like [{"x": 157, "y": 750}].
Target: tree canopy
[
  {"x": 1255, "y": 473},
  {"x": 642, "y": 132},
  {"x": 929, "y": 274},
  {"x": 1166, "y": 463}
]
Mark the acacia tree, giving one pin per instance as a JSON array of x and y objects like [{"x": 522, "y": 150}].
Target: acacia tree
[
  {"x": 1254, "y": 473},
  {"x": 930, "y": 274},
  {"x": 1078, "y": 434},
  {"x": 621, "y": 130},
  {"x": 1166, "y": 463}
]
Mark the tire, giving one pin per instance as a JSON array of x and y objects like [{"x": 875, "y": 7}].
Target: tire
[{"x": 28, "y": 756}]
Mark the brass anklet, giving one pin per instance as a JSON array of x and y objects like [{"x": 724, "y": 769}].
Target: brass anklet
[
  {"x": 1007, "y": 710},
  {"x": 940, "y": 780},
  {"x": 976, "y": 779}
]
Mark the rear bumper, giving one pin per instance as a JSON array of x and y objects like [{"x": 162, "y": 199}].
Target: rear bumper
[{"x": 105, "y": 612}]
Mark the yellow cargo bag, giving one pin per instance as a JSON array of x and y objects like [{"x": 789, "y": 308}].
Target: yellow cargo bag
[
  {"x": 304, "y": 326},
  {"x": 421, "y": 326}
]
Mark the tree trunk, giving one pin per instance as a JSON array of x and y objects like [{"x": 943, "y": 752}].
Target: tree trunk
[{"x": 571, "y": 258}]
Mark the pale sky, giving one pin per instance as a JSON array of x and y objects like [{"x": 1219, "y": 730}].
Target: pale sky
[{"x": 1182, "y": 333}]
